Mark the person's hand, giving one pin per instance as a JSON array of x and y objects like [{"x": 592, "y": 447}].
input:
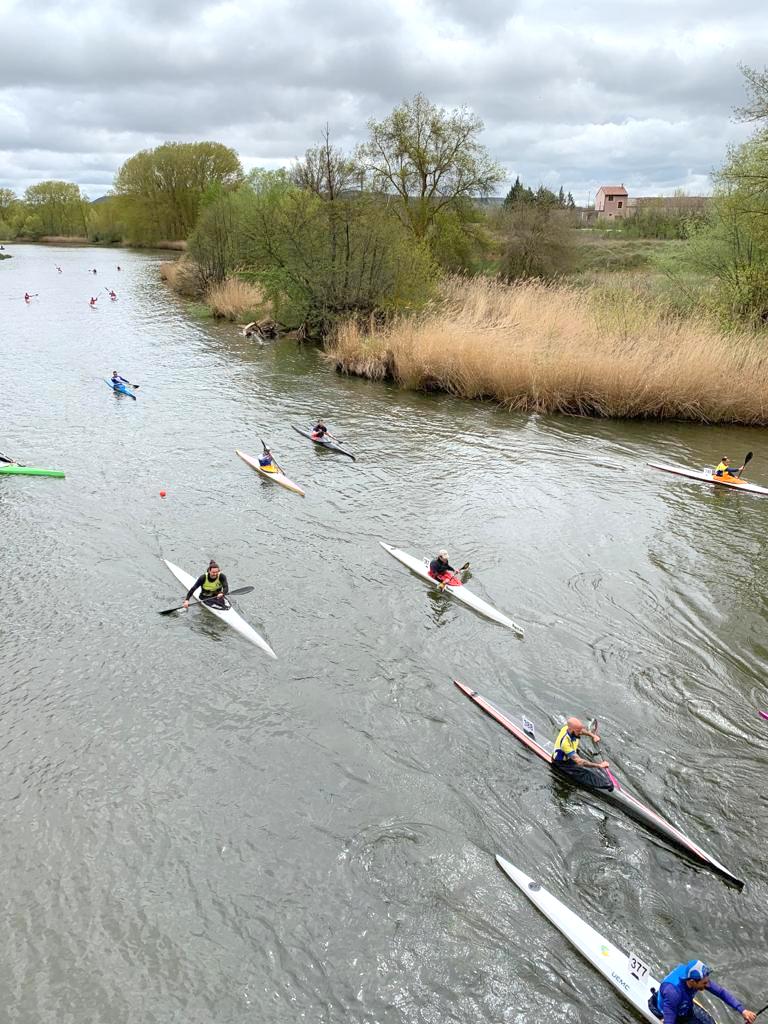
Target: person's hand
[
  {"x": 749, "y": 1015},
  {"x": 595, "y": 736},
  {"x": 186, "y": 604},
  {"x": 602, "y": 764}
]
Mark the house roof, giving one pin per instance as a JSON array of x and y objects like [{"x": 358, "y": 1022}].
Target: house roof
[{"x": 614, "y": 189}]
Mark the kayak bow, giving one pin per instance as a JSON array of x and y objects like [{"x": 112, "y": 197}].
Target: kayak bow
[
  {"x": 627, "y": 973},
  {"x": 332, "y": 446},
  {"x": 228, "y": 615},
  {"x": 618, "y": 795},
  {"x": 455, "y": 587},
  {"x": 276, "y": 475},
  {"x": 29, "y": 471},
  {"x": 708, "y": 477}
]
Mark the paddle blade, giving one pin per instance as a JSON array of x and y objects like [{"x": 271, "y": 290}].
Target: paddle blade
[
  {"x": 169, "y": 611},
  {"x": 747, "y": 458}
]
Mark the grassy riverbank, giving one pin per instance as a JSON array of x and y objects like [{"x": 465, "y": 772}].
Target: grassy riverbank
[{"x": 562, "y": 348}]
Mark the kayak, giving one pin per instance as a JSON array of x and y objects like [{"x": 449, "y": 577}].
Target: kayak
[
  {"x": 332, "y": 446},
  {"x": 121, "y": 389},
  {"x": 628, "y": 974},
  {"x": 524, "y": 731},
  {"x": 228, "y": 615},
  {"x": 455, "y": 587},
  {"x": 708, "y": 476},
  {"x": 29, "y": 471},
  {"x": 763, "y": 714},
  {"x": 276, "y": 475}
]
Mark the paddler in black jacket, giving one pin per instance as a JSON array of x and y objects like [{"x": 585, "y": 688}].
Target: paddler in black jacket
[
  {"x": 439, "y": 566},
  {"x": 213, "y": 587},
  {"x": 566, "y": 757}
]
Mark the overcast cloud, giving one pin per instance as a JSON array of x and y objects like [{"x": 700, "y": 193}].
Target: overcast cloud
[{"x": 573, "y": 93}]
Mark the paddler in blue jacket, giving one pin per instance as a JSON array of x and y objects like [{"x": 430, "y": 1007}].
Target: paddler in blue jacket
[
  {"x": 566, "y": 757},
  {"x": 117, "y": 379},
  {"x": 213, "y": 587},
  {"x": 267, "y": 462},
  {"x": 674, "y": 1004}
]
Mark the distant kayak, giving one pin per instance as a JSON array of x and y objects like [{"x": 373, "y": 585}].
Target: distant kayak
[
  {"x": 707, "y": 476},
  {"x": 625, "y": 971},
  {"x": 455, "y": 588},
  {"x": 274, "y": 475},
  {"x": 29, "y": 471},
  {"x": 763, "y": 714},
  {"x": 120, "y": 389},
  {"x": 332, "y": 446}
]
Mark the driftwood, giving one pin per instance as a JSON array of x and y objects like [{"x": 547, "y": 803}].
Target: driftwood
[{"x": 261, "y": 330}]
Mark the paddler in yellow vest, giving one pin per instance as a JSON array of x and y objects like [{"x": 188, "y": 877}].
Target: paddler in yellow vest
[
  {"x": 213, "y": 587},
  {"x": 724, "y": 468},
  {"x": 566, "y": 757}
]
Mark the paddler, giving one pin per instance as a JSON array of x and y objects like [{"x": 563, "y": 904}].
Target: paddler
[
  {"x": 267, "y": 462},
  {"x": 674, "y": 1002},
  {"x": 320, "y": 432},
  {"x": 113, "y": 295},
  {"x": 724, "y": 469},
  {"x": 213, "y": 587},
  {"x": 566, "y": 757},
  {"x": 440, "y": 567},
  {"x": 93, "y": 301},
  {"x": 27, "y": 296},
  {"x": 117, "y": 379}
]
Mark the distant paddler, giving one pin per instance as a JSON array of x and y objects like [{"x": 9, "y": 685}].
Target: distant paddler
[
  {"x": 674, "y": 1002},
  {"x": 320, "y": 432},
  {"x": 213, "y": 587},
  {"x": 94, "y": 300},
  {"x": 267, "y": 461},
  {"x": 116, "y": 379},
  {"x": 566, "y": 757},
  {"x": 113, "y": 295}
]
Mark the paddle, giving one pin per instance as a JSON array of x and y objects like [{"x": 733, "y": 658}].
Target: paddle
[
  {"x": 444, "y": 584},
  {"x": 762, "y": 1011},
  {"x": 233, "y": 593},
  {"x": 10, "y": 461},
  {"x": 747, "y": 458}
]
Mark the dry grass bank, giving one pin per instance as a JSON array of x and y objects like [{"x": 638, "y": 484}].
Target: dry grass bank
[
  {"x": 234, "y": 299},
  {"x": 182, "y": 276},
  {"x": 579, "y": 351}
]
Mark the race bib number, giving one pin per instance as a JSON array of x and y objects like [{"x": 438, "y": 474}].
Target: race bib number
[
  {"x": 529, "y": 727},
  {"x": 637, "y": 968}
]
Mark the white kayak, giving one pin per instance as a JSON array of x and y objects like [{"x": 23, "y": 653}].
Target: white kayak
[
  {"x": 228, "y": 615},
  {"x": 628, "y": 974},
  {"x": 277, "y": 476},
  {"x": 455, "y": 588},
  {"x": 708, "y": 476}
]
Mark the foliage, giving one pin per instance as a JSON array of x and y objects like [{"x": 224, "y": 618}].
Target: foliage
[
  {"x": 6, "y": 231},
  {"x": 32, "y": 226},
  {"x": 163, "y": 188},
  {"x": 58, "y": 206},
  {"x": 536, "y": 241},
  {"x": 316, "y": 259},
  {"x": 326, "y": 170},
  {"x": 427, "y": 159},
  {"x": 105, "y": 221},
  {"x": 543, "y": 196}
]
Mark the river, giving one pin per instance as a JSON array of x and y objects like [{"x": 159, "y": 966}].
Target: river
[{"x": 193, "y": 832}]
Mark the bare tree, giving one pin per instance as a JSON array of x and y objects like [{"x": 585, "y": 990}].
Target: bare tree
[{"x": 325, "y": 170}]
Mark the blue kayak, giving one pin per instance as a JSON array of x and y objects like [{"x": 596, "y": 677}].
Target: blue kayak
[{"x": 120, "y": 389}]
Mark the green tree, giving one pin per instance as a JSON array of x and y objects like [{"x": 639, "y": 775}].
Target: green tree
[
  {"x": 163, "y": 188},
  {"x": 536, "y": 241},
  {"x": 59, "y": 206},
  {"x": 32, "y": 226},
  {"x": 427, "y": 159}
]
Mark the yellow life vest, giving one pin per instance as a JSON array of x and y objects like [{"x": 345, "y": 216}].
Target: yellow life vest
[
  {"x": 210, "y": 586},
  {"x": 722, "y": 470},
  {"x": 565, "y": 745}
]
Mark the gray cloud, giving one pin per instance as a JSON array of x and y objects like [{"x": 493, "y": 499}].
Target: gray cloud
[{"x": 577, "y": 93}]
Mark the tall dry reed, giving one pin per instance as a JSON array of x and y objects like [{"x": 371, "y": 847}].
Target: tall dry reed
[
  {"x": 234, "y": 299},
  {"x": 557, "y": 348}
]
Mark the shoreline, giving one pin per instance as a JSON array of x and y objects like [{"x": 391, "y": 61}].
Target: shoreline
[{"x": 76, "y": 241}]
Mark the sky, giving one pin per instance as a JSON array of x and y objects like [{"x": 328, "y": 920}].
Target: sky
[{"x": 573, "y": 93}]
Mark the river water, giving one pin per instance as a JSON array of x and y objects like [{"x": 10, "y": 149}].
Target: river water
[{"x": 194, "y": 833}]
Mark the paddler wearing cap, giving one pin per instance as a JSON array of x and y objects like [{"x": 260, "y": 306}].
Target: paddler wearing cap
[
  {"x": 674, "y": 1001},
  {"x": 723, "y": 468},
  {"x": 567, "y": 759},
  {"x": 213, "y": 587},
  {"x": 440, "y": 567}
]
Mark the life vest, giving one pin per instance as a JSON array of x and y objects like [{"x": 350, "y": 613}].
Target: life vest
[
  {"x": 678, "y": 979},
  {"x": 565, "y": 744},
  {"x": 210, "y": 586},
  {"x": 722, "y": 470}
]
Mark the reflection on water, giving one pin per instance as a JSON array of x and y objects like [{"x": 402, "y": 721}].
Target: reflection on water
[{"x": 195, "y": 832}]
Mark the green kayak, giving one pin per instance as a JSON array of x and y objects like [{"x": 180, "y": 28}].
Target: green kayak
[{"x": 28, "y": 471}]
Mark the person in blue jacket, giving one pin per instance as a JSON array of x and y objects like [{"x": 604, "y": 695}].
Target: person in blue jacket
[{"x": 674, "y": 1004}]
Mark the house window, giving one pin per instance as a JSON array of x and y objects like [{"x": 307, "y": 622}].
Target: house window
[
  {"x": 610, "y": 198},
  {"x": 619, "y": 204}
]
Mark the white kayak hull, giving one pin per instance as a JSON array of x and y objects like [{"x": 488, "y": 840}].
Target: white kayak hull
[
  {"x": 421, "y": 568},
  {"x": 229, "y": 615},
  {"x": 707, "y": 476},
  {"x": 613, "y": 963},
  {"x": 278, "y": 478}
]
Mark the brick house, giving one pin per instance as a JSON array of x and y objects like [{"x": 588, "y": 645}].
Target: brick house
[{"x": 611, "y": 202}]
